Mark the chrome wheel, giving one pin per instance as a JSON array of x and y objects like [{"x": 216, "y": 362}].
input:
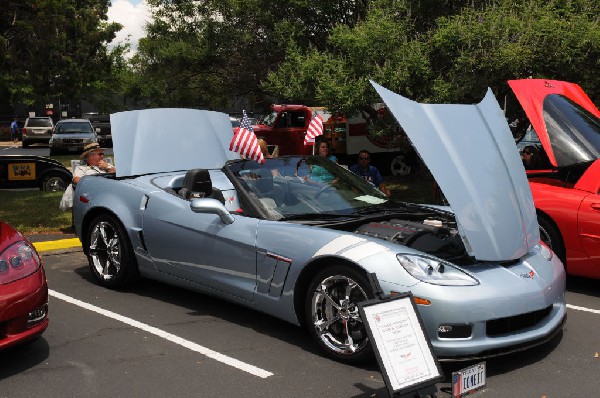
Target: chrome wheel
[
  {"x": 105, "y": 250},
  {"x": 109, "y": 252},
  {"x": 333, "y": 315},
  {"x": 54, "y": 183}
]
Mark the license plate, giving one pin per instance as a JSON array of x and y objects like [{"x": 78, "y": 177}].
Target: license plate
[
  {"x": 73, "y": 149},
  {"x": 468, "y": 379}
]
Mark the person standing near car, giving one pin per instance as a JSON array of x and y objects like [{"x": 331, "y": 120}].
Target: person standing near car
[
  {"x": 14, "y": 131},
  {"x": 93, "y": 156},
  {"x": 369, "y": 173}
]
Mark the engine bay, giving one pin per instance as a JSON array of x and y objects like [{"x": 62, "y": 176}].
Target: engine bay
[{"x": 429, "y": 236}]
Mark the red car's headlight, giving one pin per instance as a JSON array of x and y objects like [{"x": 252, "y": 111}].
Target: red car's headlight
[{"x": 18, "y": 261}]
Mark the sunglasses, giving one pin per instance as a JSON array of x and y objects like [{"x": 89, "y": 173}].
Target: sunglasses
[
  {"x": 363, "y": 158},
  {"x": 527, "y": 153}
]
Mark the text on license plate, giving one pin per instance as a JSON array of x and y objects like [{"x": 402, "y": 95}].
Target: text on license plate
[{"x": 468, "y": 379}]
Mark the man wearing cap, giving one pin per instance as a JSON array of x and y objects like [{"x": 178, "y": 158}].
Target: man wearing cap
[{"x": 93, "y": 156}]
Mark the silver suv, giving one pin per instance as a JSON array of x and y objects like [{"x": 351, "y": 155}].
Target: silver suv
[
  {"x": 37, "y": 130},
  {"x": 71, "y": 135}
]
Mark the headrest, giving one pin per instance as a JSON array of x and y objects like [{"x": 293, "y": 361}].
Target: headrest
[{"x": 196, "y": 183}]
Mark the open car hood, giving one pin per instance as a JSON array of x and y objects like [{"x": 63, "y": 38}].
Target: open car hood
[
  {"x": 564, "y": 118},
  {"x": 470, "y": 151},
  {"x": 165, "y": 139}
]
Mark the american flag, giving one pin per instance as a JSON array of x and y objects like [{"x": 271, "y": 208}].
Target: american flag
[
  {"x": 315, "y": 128},
  {"x": 245, "y": 143},
  {"x": 456, "y": 384}
]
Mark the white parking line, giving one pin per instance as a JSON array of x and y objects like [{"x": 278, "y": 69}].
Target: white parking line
[
  {"x": 574, "y": 307},
  {"x": 253, "y": 370}
]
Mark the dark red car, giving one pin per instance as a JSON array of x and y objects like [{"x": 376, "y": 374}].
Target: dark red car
[
  {"x": 23, "y": 289},
  {"x": 566, "y": 182}
]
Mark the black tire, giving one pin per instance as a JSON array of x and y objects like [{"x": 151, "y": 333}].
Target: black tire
[
  {"x": 24, "y": 144},
  {"x": 345, "y": 339},
  {"x": 54, "y": 182},
  {"x": 109, "y": 253},
  {"x": 53, "y": 152},
  {"x": 551, "y": 236}
]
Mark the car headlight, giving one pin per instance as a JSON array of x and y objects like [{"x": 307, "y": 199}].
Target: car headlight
[
  {"x": 435, "y": 271},
  {"x": 18, "y": 261}
]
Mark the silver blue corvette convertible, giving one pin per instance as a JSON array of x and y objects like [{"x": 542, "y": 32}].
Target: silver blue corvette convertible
[{"x": 185, "y": 210}]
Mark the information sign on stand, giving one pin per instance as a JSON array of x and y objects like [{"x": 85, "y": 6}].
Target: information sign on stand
[{"x": 402, "y": 348}]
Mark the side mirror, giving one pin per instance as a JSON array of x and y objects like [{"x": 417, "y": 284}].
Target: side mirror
[
  {"x": 211, "y": 206},
  {"x": 98, "y": 130}
]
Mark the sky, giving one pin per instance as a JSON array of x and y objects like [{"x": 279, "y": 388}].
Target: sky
[{"x": 133, "y": 15}]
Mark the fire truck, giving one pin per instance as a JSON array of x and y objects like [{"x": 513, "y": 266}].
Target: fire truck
[{"x": 286, "y": 125}]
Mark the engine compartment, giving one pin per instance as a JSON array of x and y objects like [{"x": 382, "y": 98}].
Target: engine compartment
[{"x": 431, "y": 235}]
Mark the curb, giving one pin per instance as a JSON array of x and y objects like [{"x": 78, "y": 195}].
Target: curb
[{"x": 60, "y": 244}]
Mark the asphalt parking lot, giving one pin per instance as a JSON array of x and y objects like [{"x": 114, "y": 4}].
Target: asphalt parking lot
[{"x": 155, "y": 340}]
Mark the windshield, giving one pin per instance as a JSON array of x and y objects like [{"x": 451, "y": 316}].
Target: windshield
[
  {"x": 573, "y": 131},
  {"x": 39, "y": 122},
  {"x": 74, "y": 127},
  {"x": 269, "y": 119},
  {"x": 292, "y": 186}
]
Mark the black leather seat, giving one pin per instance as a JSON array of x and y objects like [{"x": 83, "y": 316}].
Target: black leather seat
[{"x": 197, "y": 184}]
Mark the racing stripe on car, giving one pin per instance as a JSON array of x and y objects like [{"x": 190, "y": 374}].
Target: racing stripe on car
[
  {"x": 363, "y": 251},
  {"x": 339, "y": 244},
  {"x": 351, "y": 247}
]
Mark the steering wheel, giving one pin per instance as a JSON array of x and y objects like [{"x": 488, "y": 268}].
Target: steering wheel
[{"x": 320, "y": 191}]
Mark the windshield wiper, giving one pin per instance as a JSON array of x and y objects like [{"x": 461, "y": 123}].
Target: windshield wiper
[
  {"x": 382, "y": 208},
  {"x": 317, "y": 216}
]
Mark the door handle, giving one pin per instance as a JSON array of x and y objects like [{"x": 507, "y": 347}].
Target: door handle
[{"x": 595, "y": 206}]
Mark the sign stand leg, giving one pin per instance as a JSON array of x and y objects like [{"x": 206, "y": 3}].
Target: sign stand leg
[{"x": 427, "y": 390}]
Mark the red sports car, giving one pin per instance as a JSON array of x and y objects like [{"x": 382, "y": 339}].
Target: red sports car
[
  {"x": 23, "y": 289},
  {"x": 566, "y": 181}
]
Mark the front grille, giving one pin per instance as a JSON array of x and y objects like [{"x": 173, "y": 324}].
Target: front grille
[
  {"x": 72, "y": 140},
  {"x": 515, "y": 323}
]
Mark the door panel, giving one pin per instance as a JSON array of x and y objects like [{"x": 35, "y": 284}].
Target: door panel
[{"x": 200, "y": 247}]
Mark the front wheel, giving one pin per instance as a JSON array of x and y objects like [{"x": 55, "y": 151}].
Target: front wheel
[
  {"x": 332, "y": 315},
  {"x": 550, "y": 235},
  {"x": 53, "y": 183},
  {"x": 110, "y": 254}
]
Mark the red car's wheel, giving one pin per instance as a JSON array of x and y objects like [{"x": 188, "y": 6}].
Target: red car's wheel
[{"x": 551, "y": 236}]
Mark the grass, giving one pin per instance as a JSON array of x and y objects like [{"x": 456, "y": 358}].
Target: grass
[
  {"x": 37, "y": 212},
  {"x": 34, "y": 211},
  {"x": 65, "y": 159}
]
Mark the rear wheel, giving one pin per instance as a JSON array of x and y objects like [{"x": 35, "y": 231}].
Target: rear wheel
[
  {"x": 551, "y": 236},
  {"x": 110, "y": 254},
  {"x": 332, "y": 315}
]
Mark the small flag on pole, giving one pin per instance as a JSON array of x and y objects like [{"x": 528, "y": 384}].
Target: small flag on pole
[
  {"x": 315, "y": 128},
  {"x": 245, "y": 143}
]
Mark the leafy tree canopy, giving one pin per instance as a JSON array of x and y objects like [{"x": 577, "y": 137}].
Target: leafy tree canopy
[{"x": 53, "y": 48}]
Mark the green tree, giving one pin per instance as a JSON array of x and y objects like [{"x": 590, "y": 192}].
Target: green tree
[
  {"x": 53, "y": 48},
  {"x": 450, "y": 54},
  {"x": 203, "y": 53}
]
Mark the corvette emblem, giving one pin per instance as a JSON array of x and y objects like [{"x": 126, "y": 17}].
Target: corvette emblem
[{"x": 529, "y": 275}]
